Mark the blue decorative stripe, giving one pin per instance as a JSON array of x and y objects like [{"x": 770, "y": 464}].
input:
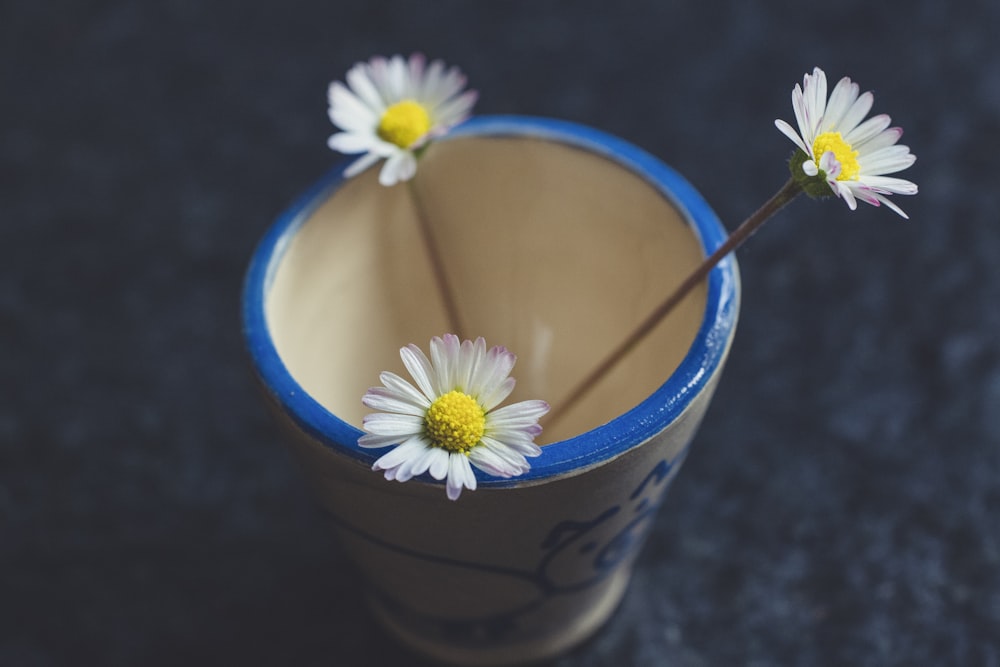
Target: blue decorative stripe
[
  {"x": 575, "y": 556},
  {"x": 600, "y": 444}
]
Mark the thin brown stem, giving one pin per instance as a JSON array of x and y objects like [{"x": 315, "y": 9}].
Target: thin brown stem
[
  {"x": 787, "y": 193},
  {"x": 437, "y": 265}
]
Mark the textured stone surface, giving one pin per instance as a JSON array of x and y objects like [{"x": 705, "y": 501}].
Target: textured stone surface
[{"x": 840, "y": 506}]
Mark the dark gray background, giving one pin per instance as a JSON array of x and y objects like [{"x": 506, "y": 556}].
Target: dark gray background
[{"x": 840, "y": 505}]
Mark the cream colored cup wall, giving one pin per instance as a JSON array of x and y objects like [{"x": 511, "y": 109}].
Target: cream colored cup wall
[{"x": 552, "y": 252}]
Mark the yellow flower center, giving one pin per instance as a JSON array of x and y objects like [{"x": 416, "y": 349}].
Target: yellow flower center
[
  {"x": 455, "y": 421},
  {"x": 846, "y": 156},
  {"x": 403, "y": 123}
]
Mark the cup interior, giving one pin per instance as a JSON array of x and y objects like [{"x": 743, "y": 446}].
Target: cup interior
[{"x": 551, "y": 250}]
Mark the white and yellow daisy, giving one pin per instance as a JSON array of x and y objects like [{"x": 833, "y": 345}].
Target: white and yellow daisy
[
  {"x": 391, "y": 108},
  {"x": 447, "y": 423},
  {"x": 851, "y": 156}
]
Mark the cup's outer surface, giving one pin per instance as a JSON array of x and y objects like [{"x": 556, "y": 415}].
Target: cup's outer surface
[{"x": 504, "y": 575}]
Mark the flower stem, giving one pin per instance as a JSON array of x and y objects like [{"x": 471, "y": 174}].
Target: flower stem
[
  {"x": 786, "y": 194},
  {"x": 437, "y": 265}
]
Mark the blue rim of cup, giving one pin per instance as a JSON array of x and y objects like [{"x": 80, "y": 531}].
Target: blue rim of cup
[{"x": 630, "y": 429}]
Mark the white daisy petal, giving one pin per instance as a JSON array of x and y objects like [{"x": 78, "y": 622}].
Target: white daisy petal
[
  {"x": 846, "y": 193},
  {"x": 801, "y": 115},
  {"x": 392, "y": 107},
  {"x": 440, "y": 375},
  {"x": 856, "y": 113},
  {"x": 525, "y": 412},
  {"x": 466, "y": 364},
  {"x": 388, "y": 423},
  {"x": 383, "y": 149},
  {"x": 360, "y": 164},
  {"x": 445, "y": 353},
  {"x": 892, "y": 206},
  {"x": 487, "y": 461},
  {"x": 517, "y": 438},
  {"x": 890, "y": 185},
  {"x": 361, "y": 84},
  {"x": 867, "y": 130},
  {"x": 350, "y": 142},
  {"x": 521, "y": 433},
  {"x": 494, "y": 370},
  {"x": 415, "y": 76},
  {"x": 511, "y": 449},
  {"x": 417, "y": 464},
  {"x": 493, "y": 397},
  {"x": 372, "y": 441},
  {"x": 397, "y": 79},
  {"x": 455, "y": 110},
  {"x": 524, "y": 447},
  {"x": 459, "y": 476},
  {"x": 842, "y": 148},
  {"x": 429, "y": 84},
  {"x": 404, "y": 471},
  {"x": 378, "y": 70},
  {"x": 789, "y": 132},
  {"x": 887, "y": 160},
  {"x": 884, "y": 138},
  {"x": 439, "y": 463},
  {"x": 498, "y": 461},
  {"x": 409, "y": 449},
  {"x": 448, "y": 84},
  {"x": 443, "y": 427},
  {"x": 479, "y": 358},
  {"x": 815, "y": 96},
  {"x": 399, "y": 167},
  {"x": 470, "y": 477},
  {"x": 380, "y": 398},
  {"x": 402, "y": 388},
  {"x": 843, "y": 96},
  {"x": 420, "y": 369},
  {"x": 348, "y": 112},
  {"x": 865, "y": 194},
  {"x": 515, "y": 441}
]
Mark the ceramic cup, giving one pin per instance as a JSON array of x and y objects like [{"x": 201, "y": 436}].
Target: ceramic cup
[{"x": 556, "y": 239}]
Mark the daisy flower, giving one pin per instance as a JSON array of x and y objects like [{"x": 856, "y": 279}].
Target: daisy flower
[
  {"x": 391, "y": 108},
  {"x": 840, "y": 151},
  {"x": 448, "y": 423}
]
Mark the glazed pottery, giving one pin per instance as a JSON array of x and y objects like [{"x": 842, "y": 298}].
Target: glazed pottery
[{"x": 556, "y": 240}]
